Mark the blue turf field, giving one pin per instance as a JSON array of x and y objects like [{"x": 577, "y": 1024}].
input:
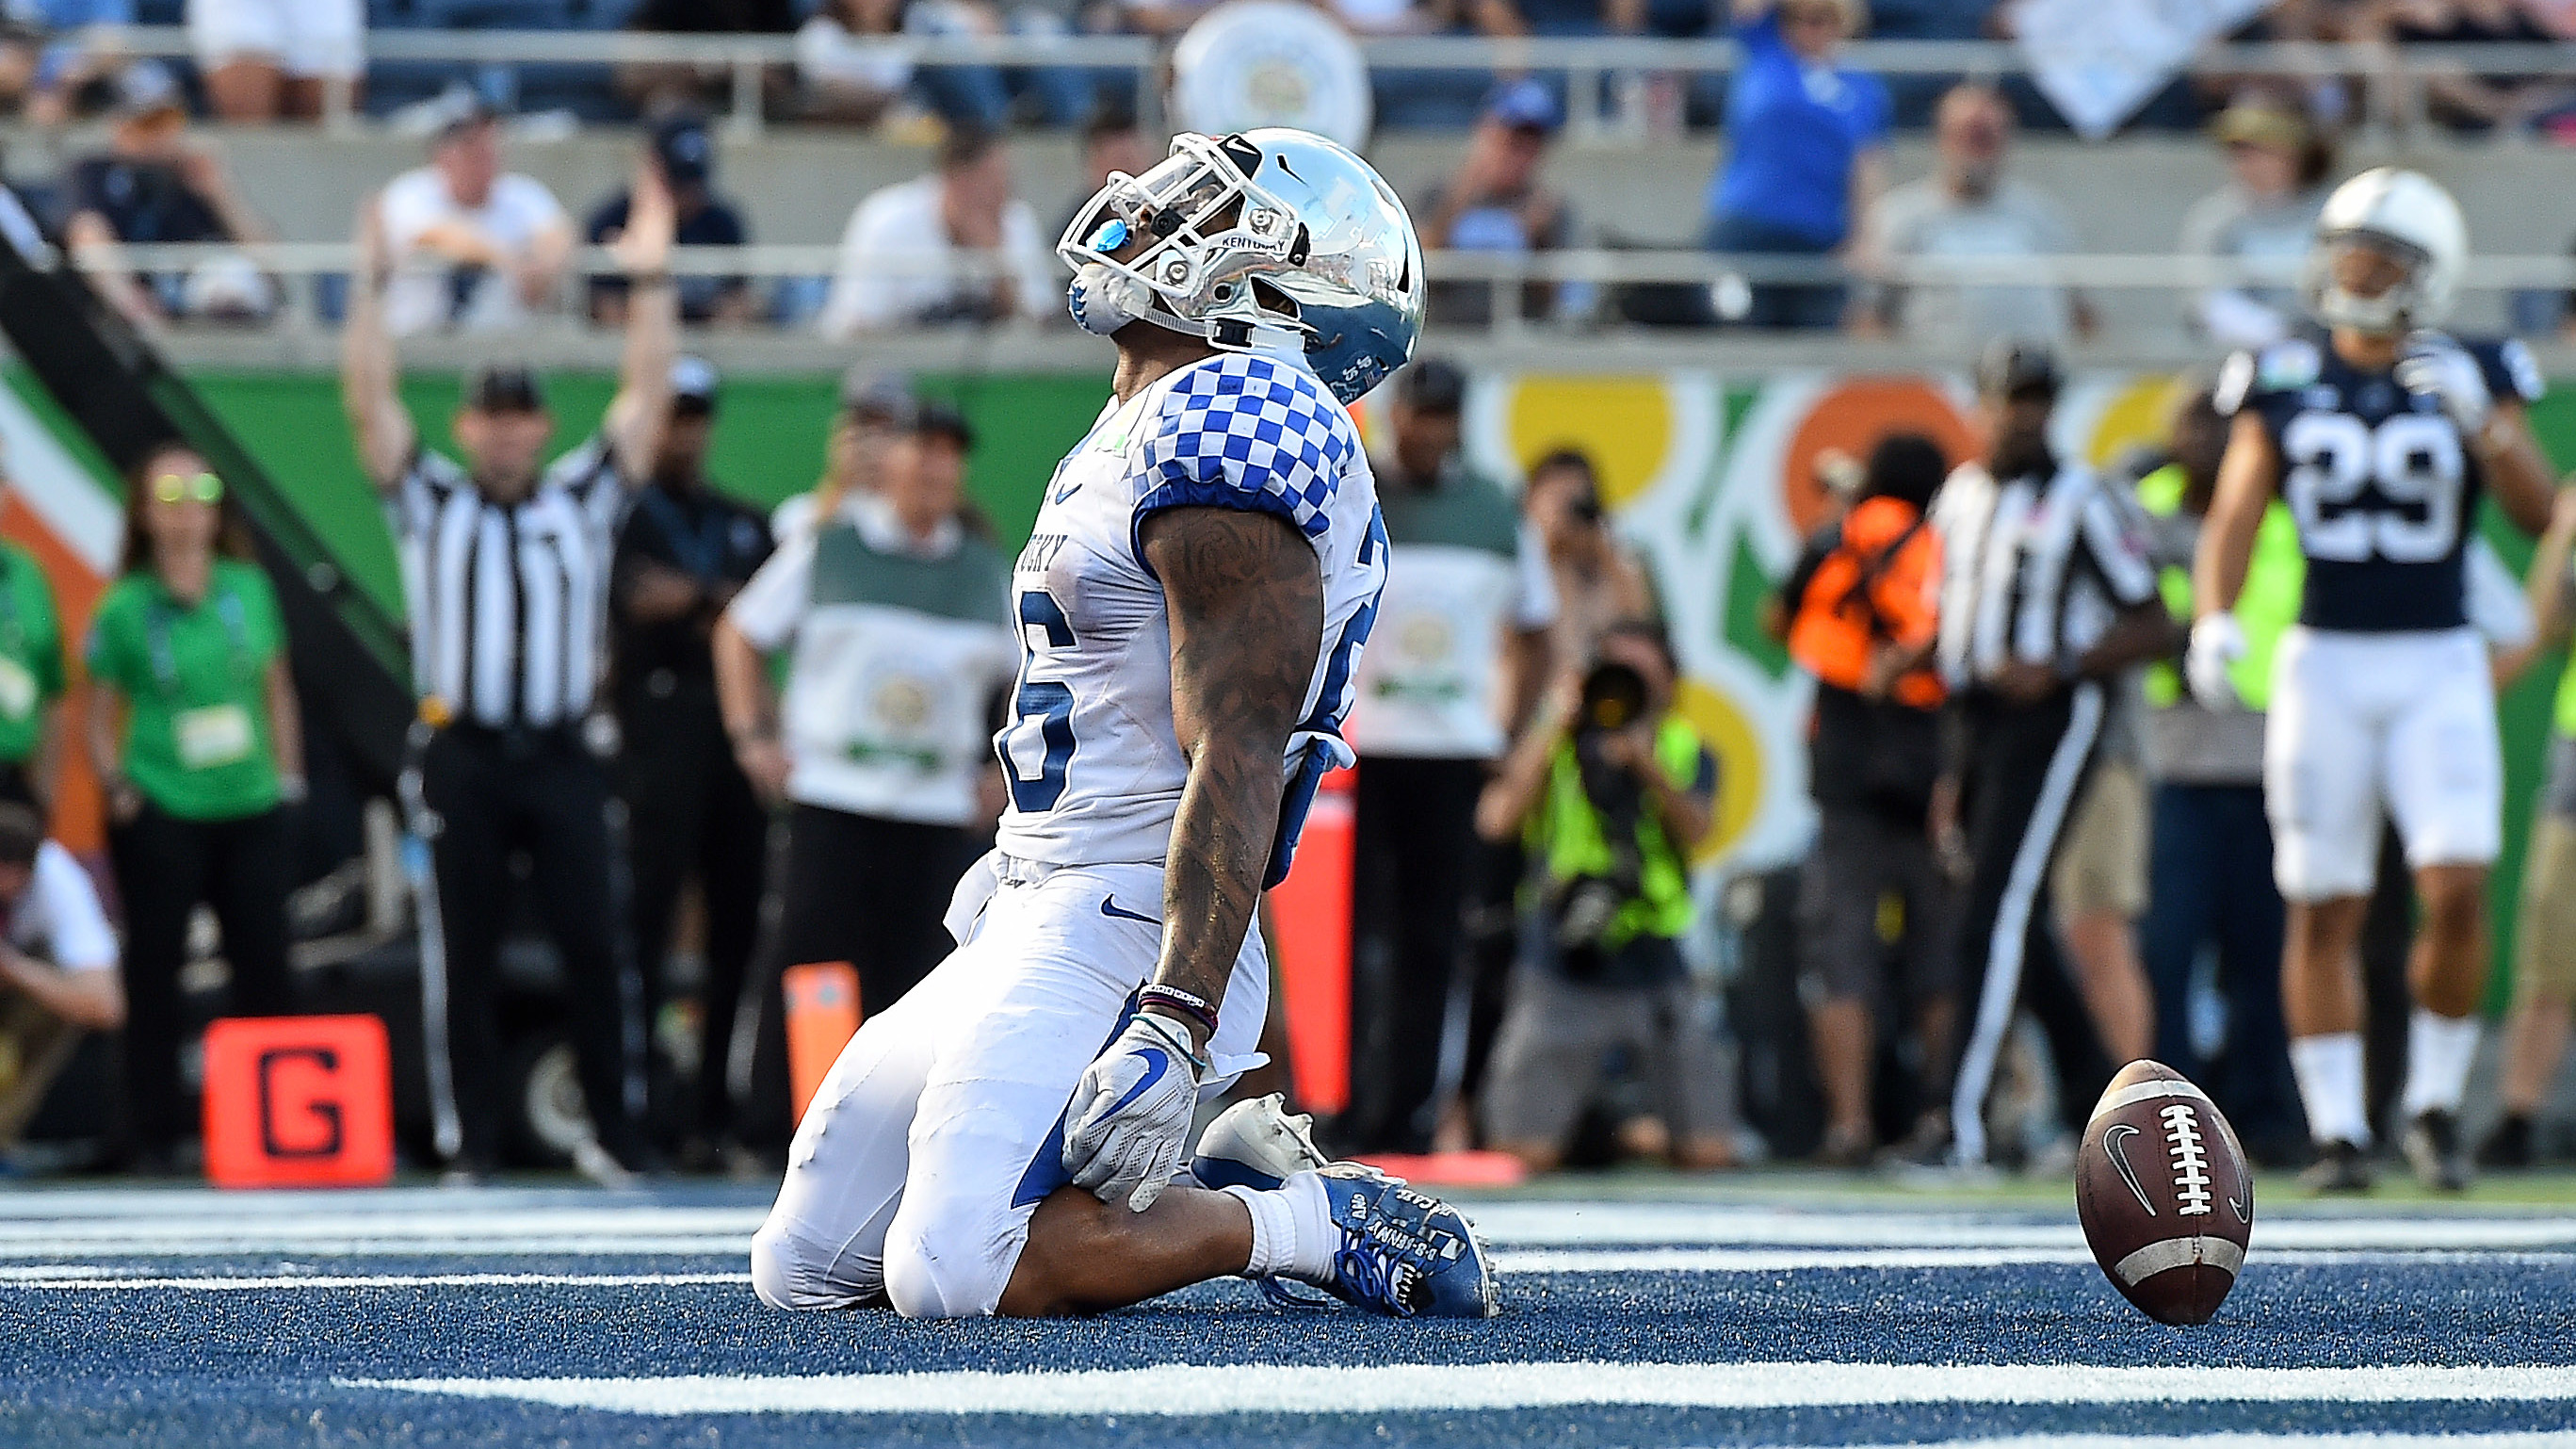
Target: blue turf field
[{"x": 581, "y": 1319}]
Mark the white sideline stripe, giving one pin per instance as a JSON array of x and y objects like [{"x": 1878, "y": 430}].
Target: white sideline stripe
[
  {"x": 52, "y": 1225},
  {"x": 1582, "y": 1224},
  {"x": 102, "y": 1278},
  {"x": 318, "y": 1282},
  {"x": 2531, "y": 1439},
  {"x": 646, "y": 1231},
  {"x": 1777, "y": 1260},
  {"x": 461, "y": 1243},
  {"x": 1184, "y": 1389}
]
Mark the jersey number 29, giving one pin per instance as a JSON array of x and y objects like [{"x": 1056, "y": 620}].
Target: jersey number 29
[{"x": 2413, "y": 459}]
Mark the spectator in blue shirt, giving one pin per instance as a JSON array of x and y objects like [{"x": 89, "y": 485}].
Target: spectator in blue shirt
[{"x": 1806, "y": 151}]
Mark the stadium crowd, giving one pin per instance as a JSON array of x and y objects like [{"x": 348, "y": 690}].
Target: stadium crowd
[
  {"x": 1805, "y": 178},
  {"x": 855, "y": 61}
]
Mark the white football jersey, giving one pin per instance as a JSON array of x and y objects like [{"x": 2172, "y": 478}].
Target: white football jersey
[{"x": 1090, "y": 753}]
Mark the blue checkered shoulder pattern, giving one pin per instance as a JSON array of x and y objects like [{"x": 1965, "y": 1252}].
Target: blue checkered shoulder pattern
[{"x": 1246, "y": 431}]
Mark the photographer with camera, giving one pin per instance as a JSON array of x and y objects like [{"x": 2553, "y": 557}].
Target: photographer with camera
[{"x": 1610, "y": 791}]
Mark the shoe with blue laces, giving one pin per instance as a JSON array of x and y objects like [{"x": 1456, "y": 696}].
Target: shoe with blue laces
[{"x": 1404, "y": 1253}]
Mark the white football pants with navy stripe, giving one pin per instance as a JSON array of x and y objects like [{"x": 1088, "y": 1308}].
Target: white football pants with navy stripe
[{"x": 940, "y": 1129}]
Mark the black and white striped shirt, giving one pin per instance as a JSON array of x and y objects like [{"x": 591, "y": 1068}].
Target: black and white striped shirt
[
  {"x": 2035, "y": 569},
  {"x": 509, "y": 603}
]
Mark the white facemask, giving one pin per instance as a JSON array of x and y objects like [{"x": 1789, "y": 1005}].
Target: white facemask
[{"x": 1103, "y": 299}]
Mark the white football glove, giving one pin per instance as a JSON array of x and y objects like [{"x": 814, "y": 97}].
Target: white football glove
[
  {"x": 2217, "y": 642},
  {"x": 1129, "y": 1122},
  {"x": 2449, "y": 373}
]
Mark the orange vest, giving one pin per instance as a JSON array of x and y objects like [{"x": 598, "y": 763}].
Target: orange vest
[{"x": 1880, "y": 585}]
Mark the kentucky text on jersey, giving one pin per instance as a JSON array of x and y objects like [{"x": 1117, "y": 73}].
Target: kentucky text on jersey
[
  {"x": 1090, "y": 753},
  {"x": 2382, "y": 487}
]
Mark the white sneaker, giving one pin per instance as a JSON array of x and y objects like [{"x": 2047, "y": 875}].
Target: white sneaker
[{"x": 1257, "y": 1144}]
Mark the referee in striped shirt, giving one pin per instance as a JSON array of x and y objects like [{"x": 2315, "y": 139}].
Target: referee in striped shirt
[
  {"x": 506, "y": 564},
  {"x": 2046, "y": 596}
]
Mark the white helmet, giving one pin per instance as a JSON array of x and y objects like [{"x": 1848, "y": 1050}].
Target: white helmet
[
  {"x": 1273, "y": 236},
  {"x": 2405, "y": 216}
]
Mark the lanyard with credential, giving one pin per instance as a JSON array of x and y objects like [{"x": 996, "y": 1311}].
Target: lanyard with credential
[{"x": 165, "y": 657}]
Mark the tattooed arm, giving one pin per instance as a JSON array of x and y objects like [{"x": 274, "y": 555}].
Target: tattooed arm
[
  {"x": 1247, "y": 617},
  {"x": 1246, "y": 605}
]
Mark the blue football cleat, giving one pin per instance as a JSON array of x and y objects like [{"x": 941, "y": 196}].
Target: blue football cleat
[{"x": 1404, "y": 1253}]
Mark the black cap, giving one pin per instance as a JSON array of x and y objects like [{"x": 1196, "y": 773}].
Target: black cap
[
  {"x": 2014, "y": 369},
  {"x": 693, "y": 385},
  {"x": 943, "y": 420},
  {"x": 1432, "y": 386},
  {"x": 504, "y": 387},
  {"x": 685, "y": 150}
]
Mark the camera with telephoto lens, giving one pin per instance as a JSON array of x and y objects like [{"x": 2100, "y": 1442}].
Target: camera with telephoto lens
[{"x": 1582, "y": 908}]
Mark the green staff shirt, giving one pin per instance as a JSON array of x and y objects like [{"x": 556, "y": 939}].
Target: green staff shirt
[
  {"x": 31, "y": 653},
  {"x": 195, "y": 681}
]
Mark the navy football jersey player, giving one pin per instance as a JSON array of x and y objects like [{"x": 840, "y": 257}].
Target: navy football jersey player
[
  {"x": 2377, "y": 476},
  {"x": 2381, "y": 436}
]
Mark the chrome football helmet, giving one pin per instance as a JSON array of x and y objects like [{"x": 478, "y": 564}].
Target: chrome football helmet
[
  {"x": 2406, "y": 217},
  {"x": 1270, "y": 238}
]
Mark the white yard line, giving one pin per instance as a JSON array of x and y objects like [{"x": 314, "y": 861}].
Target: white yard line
[
  {"x": 1183, "y": 1390},
  {"x": 96, "y": 1277},
  {"x": 204, "y": 1224},
  {"x": 91, "y": 1280},
  {"x": 1792, "y": 1260}
]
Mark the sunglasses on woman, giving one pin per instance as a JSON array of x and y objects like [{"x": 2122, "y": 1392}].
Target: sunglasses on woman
[{"x": 197, "y": 487}]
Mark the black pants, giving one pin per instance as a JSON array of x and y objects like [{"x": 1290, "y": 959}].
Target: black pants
[
  {"x": 17, "y": 786},
  {"x": 2025, "y": 768},
  {"x": 872, "y": 892},
  {"x": 165, "y": 867},
  {"x": 1415, "y": 857},
  {"x": 2211, "y": 885},
  {"x": 541, "y": 792},
  {"x": 856, "y": 888},
  {"x": 689, "y": 809}
]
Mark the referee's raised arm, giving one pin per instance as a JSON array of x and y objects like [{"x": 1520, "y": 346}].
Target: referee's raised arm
[
  {"x": 633, "y": 425},
  {"x": 377, "y": 418}
]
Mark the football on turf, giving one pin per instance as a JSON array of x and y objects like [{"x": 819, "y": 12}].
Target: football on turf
[{"x": 2162, "y": 1190}]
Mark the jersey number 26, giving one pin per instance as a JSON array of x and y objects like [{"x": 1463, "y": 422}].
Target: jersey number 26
[{"x": 2414, "y": 461}]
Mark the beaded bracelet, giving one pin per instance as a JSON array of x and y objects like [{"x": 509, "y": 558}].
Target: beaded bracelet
[{"x": 1188, "y": 1003}]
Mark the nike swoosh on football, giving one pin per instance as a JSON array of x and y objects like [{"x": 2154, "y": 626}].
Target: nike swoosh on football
[{"x": 1109, "y": 907}]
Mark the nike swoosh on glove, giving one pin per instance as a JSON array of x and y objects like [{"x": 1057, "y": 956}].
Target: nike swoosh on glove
[
  {"x": 1129, "y": 1123},
  {"x": 2217, "y": 642},
  {"x": 2449, "y": 373}
]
